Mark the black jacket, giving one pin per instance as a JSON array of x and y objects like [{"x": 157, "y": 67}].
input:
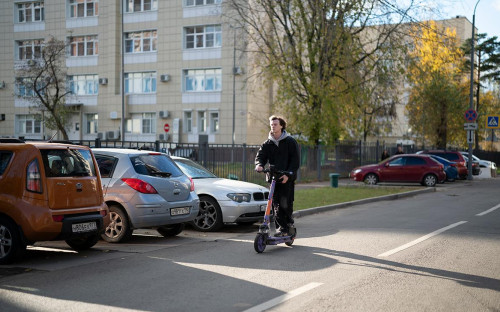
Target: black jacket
[{"x": 284, "y": 157}]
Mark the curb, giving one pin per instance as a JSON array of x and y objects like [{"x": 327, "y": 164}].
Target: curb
[{"x": 310, "y": 211}]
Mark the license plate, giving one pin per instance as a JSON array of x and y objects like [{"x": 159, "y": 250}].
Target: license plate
[
  {"x": 179, "y": 211},
  {"x": 263, "y": 207},
  {"x": 84, "y": 227}
]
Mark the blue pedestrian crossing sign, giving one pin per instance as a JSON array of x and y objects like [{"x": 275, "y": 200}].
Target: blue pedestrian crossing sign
[{"x": 492, "y": 122}]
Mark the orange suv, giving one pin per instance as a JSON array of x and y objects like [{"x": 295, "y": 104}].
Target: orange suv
[{"x": 48, "y": 191}]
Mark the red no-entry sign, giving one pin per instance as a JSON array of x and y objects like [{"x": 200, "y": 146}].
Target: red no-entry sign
[{"x": 166, "y": 127}]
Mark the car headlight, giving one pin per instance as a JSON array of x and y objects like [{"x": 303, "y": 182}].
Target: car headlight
[
  {"x": 240, "y": 197},
  {"x": 356, "y": 171}
]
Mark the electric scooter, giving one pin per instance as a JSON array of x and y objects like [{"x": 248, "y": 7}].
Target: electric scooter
[{"x": 264, "y": 236}]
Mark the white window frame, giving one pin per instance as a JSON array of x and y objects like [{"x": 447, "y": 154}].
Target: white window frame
[
  {"x": 29, "y": 12},
  {"x": 193, "y": 3},
  {"x": 140, "y": 83},
  {"x": 187, "y": 122},
  {"x": 83, "y": 46},
  {"x": 201, "y": 121},
  {"x": 83, "y": 8},
  {"x": 24, "y": 87},
  {"x": 144, "y": 123},
  {"x": 83, "y": 84},
  {"x": 202, "y": 37},
  {"x": 28, "y": 124},
  {"x": 29, "y": 49},
  {"x": 91, "y": 123},
  {"x": 135, "y": 42},
  {"x": 202, "y": 80},
  {"x": 214, "y": 122},
  {"x": 130, "y": 6}
]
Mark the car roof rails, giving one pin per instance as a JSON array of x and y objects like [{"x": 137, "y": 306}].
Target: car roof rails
[{"x": 10, "y": 140}]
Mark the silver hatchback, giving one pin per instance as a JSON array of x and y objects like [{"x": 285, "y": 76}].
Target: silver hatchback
[{"x": 144, "y": 189}]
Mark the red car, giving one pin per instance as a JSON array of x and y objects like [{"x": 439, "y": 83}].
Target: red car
[{"x": 402, "y": 168}]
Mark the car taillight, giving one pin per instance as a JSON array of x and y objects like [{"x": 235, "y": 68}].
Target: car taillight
[
  {"x": 140, "y": 186},
  {"x": 192, "y": 184},
  {"x": 33, "y": 177},
  {"x": 58, "y": 218}
]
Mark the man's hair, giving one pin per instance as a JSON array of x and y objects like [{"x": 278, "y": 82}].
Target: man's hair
[{"x": 281, "y": 119}]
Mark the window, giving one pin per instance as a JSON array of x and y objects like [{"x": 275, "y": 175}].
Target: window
[
  {"x": 198, "y": 80},
  {"x": 83, "y": 84},
  {"x": 202, "y": 121},
  {"x": 414, "y": 161},
  {"x": 140, "y": 82},
  {"x": 189, "y": 3},
  {"x": 214, "y": 122},
  {"x": 5, "y": 157},
  {"x": 92, "y": 123},
  {"x": 106, "y": 165},
  {"x": 29, "y": 49},
  {"x": 144, "y": 41},
  {"x": 84, "y": 46},
  {"x": 83, "y": 8},
  {"x": 24, "y": 87},
  {"x": 188, "y": 122},
  {"x": 29, "y": 124},
  {"x": 144, "y": 123},
  {"x": 132, "y": 6},
  {"x": 397, "y": 162},
  {"x": 200, "y": 37},
  {"x": 30, "y": 12}
]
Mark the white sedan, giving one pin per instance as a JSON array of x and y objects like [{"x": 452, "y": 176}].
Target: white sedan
[{"x": 223, "y": 200}]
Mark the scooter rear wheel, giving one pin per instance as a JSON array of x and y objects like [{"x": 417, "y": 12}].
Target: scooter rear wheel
[
  {"x": 259, "y": 244},
  {"x": 292, "y": 238}
]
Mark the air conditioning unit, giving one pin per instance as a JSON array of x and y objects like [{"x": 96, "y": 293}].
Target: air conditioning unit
[
  {"x": 101, "y": 135},
  {"x": 163, "y": 137},
  {"x": 113, "y": 135},
  {"x": 165, "y": 78},
  {"x": 31, "y": 62},
  {"x": 237, "y": 70},
  {"x": 164, "y": 114},
  {"x": 103, "y": 81},
  {"x": 113, "y": 115}
]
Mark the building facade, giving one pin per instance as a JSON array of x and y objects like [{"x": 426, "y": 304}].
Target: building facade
[{"x": 173, "y": 69}]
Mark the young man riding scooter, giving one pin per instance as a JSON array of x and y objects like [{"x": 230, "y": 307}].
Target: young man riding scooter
[{"x": 281, "y": 151}]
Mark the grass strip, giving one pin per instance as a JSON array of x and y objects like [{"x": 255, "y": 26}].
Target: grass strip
[{"x": 316, "y": 197}]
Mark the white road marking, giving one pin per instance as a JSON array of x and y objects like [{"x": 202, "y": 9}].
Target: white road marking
[
  {"x": 419, "y": 240},
  {"x": 289, "y": 295},
  {"x": 488, "y": 211}
]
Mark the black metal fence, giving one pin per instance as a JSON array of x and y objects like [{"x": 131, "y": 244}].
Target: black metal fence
[{"x": 237, "y": 162}]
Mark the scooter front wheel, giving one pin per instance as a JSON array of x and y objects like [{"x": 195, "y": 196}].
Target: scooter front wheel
[{"x": 259, "y": 244}]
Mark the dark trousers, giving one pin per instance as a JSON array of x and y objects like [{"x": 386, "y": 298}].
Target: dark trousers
[{"x": 283, "y": 196}]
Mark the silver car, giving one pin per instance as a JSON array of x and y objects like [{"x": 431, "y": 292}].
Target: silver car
[
  {"x": 144, "y": 189},
  {"x": 223, "y": 200}
]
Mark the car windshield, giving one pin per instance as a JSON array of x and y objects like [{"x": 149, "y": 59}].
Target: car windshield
[
  {"x": 194, "y": 170},
  {"x": 158, "y": 165}
]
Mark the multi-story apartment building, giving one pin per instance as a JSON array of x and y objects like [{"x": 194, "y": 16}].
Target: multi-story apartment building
[
  {"x": 184, "y": 74},
  {"x": 183, "y": 71}
]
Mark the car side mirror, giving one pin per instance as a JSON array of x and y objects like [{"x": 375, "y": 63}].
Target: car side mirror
[{"x": 386, "y": 164}]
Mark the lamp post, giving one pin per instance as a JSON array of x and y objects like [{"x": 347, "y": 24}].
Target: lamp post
[
  {"x": 471, "y": 91},
  {"x": 233, "y": 136}
]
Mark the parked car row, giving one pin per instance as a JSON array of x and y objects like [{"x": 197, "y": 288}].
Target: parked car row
[{"x": 427, "y": 167}]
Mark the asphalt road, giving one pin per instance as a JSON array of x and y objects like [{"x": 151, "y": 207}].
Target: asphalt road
[{"x": 435, "y": 251}]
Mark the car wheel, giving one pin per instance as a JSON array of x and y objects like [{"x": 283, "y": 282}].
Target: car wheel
[
  {"x": 11, "y": 243},
  {"x": 209, "y": 219},
  {"x": 430, "y": 180},
  {"x": 83, "y": 243},
  {"x": 170, "y": 230},
  {"x": 119, "y": 229},
  {"x": 371, "y": 179}
]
